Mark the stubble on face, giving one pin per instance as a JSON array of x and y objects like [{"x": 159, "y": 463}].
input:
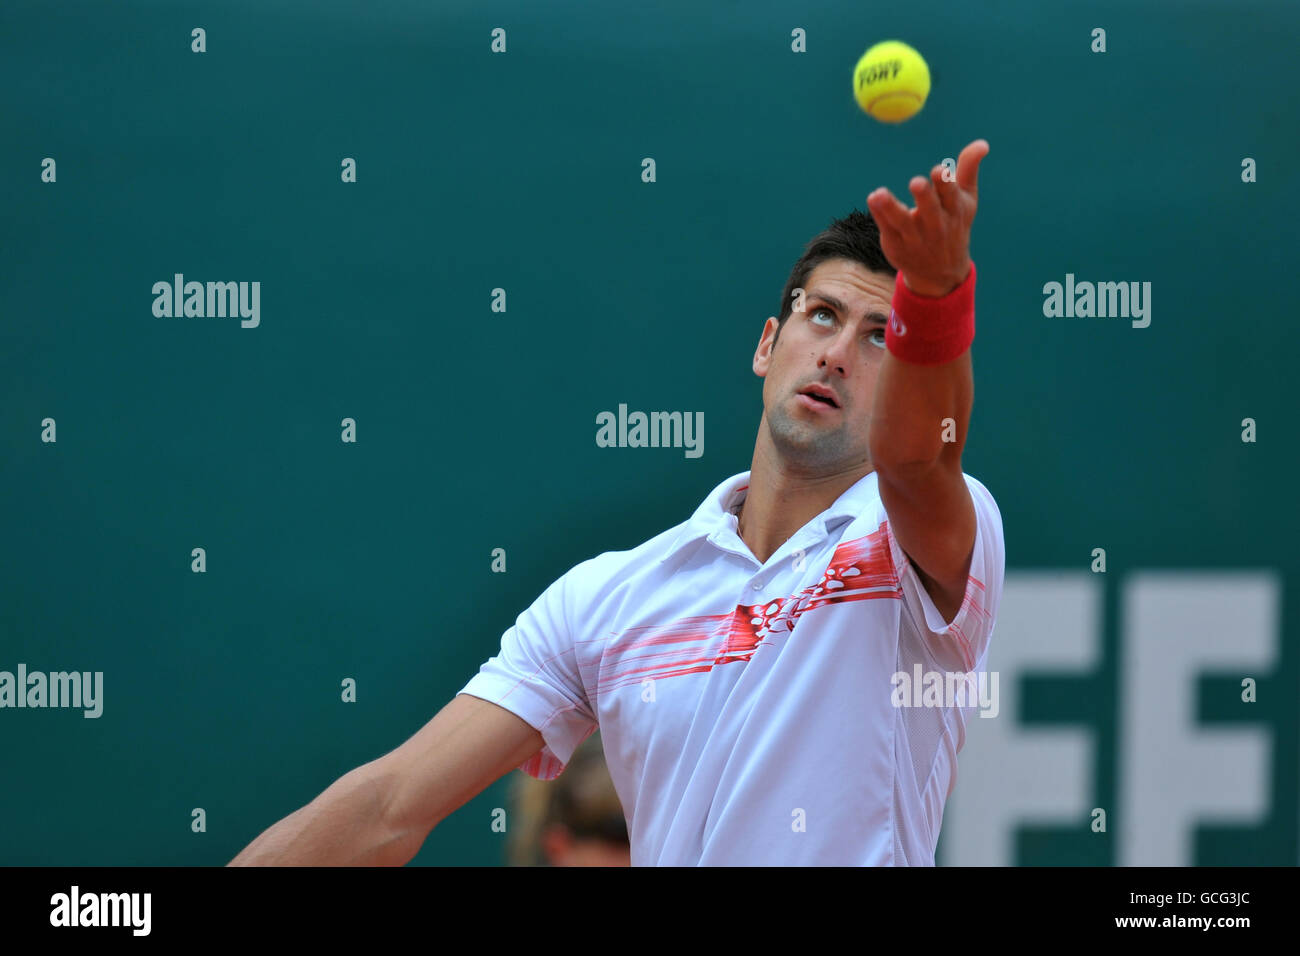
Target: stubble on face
[{"x": 806, "y": 444}]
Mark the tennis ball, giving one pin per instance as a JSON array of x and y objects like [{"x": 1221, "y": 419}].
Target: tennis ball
[{"x": 891, "y": 81}]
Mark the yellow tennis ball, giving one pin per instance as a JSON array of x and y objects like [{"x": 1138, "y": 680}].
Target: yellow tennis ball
[{"x": 891, "y": 81}]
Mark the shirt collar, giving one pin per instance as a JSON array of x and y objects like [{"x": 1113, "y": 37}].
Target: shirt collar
[{"x": 718, "y": 510}]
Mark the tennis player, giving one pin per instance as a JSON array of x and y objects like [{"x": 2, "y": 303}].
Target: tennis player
[{"x": 744, "y": 667}]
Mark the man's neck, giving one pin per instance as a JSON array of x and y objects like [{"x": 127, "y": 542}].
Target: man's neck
[{"x": 780, "y": 501}]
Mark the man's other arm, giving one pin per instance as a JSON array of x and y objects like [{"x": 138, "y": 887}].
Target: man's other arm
[{"x": 380, "y": 813}]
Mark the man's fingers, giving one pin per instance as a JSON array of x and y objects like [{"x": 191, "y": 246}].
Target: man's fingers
[
  {"x": 928, "y": 207},
  {"x": 949, "y": 193},
  {"x": 968, "y": 164},
  {"x": 888, "y": 211}
]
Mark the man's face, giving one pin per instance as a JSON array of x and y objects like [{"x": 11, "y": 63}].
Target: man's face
[{"x": 837, "y": 342}]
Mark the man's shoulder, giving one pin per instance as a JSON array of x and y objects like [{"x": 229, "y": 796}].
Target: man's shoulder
[
  {"x": 986, "y": 506},
  {"x": 980, "y": 494},
  {"x": 611, "y": 566},
  {"x": 988, "y": 520}
]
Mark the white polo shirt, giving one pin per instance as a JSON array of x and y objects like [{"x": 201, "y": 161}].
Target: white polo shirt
[{"x": 747, "y": 709}]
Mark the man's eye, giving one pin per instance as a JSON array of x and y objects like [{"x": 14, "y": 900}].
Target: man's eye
[
  {"x": 878, "y": 338},
  {"x": 828, "y": 312}
]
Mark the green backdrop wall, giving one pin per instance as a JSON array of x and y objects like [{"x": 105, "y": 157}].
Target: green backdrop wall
[{"x": 475, "y": 429}]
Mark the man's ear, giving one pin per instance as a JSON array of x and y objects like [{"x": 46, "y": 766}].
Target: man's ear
[{"x": 766, "y": 343}]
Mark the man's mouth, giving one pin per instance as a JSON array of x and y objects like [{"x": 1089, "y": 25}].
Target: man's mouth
[{"x": 819, "y": 395}]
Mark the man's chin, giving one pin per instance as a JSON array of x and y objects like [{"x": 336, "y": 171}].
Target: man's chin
[{"x": 810, "y": 448}]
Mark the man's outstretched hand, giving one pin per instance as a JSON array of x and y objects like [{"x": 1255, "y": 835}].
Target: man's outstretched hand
[{"x": 930, "y": 245}]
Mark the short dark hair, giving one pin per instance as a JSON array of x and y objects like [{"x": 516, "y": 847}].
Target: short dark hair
[{"x": 855, "y": 237}]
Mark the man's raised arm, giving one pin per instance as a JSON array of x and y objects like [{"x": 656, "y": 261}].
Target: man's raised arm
[
  {"x": 380, "y": 813},
  {"x": 925, "y": 388}
]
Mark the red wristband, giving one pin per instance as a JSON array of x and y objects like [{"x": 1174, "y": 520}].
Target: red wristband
[{"x": 928, "y": 331}]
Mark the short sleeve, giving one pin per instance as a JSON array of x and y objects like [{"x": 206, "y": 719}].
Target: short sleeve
[
  {"x": 965, "y": 641},
  {"x": 536, "y": 677}
]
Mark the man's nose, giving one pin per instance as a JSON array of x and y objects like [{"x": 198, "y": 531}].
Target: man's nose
[{"x": 835, "y": 355}]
